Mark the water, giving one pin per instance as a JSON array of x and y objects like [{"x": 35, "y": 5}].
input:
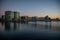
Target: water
[
  {"x": 31, "y": 26},
  {"x": 31, "y": 29}
]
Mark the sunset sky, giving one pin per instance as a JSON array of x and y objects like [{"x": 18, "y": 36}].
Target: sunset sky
[{"x": 32, "y": 7}]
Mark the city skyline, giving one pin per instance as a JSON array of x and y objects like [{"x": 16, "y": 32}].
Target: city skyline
[{"x": 38, "y": 8}]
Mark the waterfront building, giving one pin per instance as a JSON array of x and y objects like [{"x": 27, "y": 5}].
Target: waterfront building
[
  {"x": 3, "y": 18},
  {"x": 33, "y": 18},
  {"x": 40, "y": 18},
  {"x": 16, "y": 15},
  {"x": 47, "y": 18},
  {"x": 57, "y": 19},
  {"x": 24, "y": 19},
  {"x": 9, "y": 15}
]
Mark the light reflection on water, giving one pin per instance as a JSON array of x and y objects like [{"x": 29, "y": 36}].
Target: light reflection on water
[{"x": 31, "y": 26}]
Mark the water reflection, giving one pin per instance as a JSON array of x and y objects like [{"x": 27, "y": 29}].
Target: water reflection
[
  {"x": 29, "y": 26},
  {"x": 16, "y": 26},
  {"x": 9, "y": 26},
  {"x": 48, "y": 25}
]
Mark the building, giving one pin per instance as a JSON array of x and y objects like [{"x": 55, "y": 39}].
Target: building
[
  {"x": 57, "y": 19},
  {"x": 47, "y": 18},
  {"x": 16, "y": 15},
  {"x": 24, "y": 19},
  {"x": 12, "y": 16},
  {"x": 40, "y": 18},
  {"x": 3, "y": 18},
  {"x": 34, "y": 18},
  {"x": 9, "y": 15}
]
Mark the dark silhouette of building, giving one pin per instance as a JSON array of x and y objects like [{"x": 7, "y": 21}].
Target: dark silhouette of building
[
  {"x": 40, "y": 19},
  {"x": 47, "y": 18},
  {"x": 57, "y": 19},
  {"x": 3, "y": 18},
  {"x": 24, "y": 19},
  {"x": 33, "y": 18}
]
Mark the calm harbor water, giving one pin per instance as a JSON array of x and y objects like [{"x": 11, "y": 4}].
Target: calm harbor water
[
  {"x": 33, "y": 29},
  {"x": 31, "y": 26}
]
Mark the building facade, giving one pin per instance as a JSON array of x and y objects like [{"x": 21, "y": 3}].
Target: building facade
[
  {"x": 9, "y": 15},
  {"x": 24, "y": 19},
  {"x": 16, "y": 15},
  {"x": 12, "y": 16}
]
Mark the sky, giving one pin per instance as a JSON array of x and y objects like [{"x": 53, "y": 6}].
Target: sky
[{"x": 38, "y": 8}]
